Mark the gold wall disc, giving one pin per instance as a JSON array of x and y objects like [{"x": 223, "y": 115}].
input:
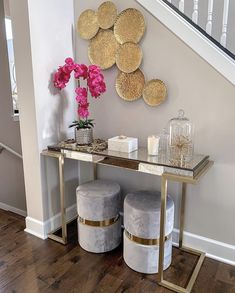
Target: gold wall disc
[
  {"x": 87, "y": 24},
  {"x": 129, "y": 86},
  {"x": 129, "y": 26},
  {"x": 102, "y": 49},
  {"x": 107, "y": 14},
  {"x": 154, "y": 92},
  {"x": 129, "y": 57}
]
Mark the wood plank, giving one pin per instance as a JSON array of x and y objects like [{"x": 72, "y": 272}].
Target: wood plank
[{"x": 31, "y": 265}]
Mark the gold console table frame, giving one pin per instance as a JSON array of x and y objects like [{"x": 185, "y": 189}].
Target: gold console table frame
[{"x": 131, "y": 161}]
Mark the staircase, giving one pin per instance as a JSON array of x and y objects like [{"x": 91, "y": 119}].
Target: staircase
[{"x": 207, "y": 26}]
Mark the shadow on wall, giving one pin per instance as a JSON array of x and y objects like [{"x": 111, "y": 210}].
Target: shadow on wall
[{"x": 53, "y": 129}]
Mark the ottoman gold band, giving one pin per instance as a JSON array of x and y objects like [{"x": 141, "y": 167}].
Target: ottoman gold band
[
  {"x": 103, "y": 223},
  {"x": 145, "y": 241}
]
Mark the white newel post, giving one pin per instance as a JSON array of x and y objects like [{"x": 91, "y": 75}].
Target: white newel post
[
  {"x": 225, "y": 23},
  {"x": 195, "y": 11},
  {"x": 209, "y": 17}
]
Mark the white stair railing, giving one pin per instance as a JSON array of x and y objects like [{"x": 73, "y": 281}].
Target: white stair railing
[
  {"x": 220, "y": 35},
  {"x": 10, "y": 150},
  {"x": 214, "y": 42}
]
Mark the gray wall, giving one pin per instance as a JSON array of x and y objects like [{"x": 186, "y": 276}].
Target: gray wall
[
  {"x": 12, "y": 190},
  {"x": 209, "y": 101}
]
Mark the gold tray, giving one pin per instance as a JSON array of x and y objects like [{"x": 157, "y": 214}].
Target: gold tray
[
  {"x": 107, "y": 14},
  {"x": 87, "y": 24},
  {"x": 129, "y": 26},
  {"x": 129, "y": 57},
  {"x": 129, "y": 86},
  {"x": 102, "y": 49},
  {"x": 154, "y": 92}
]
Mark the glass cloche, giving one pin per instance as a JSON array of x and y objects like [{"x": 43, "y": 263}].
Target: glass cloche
[{"x": 180, "y": 139}]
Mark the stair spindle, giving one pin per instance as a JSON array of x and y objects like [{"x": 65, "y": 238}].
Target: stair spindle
[
  {"x": 209, "y": 17},
  {"x": 195, "y": 11},
  {"x": 223, "y": 38},
  {"x": 181, "y": 6}
]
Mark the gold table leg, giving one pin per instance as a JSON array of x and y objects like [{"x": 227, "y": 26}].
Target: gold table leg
[
  {"x": 182, "y": 213},
  {"x": 201, "y": 255},
  {"x": 162, "y": 228},
  {"x": 51, "y": 235}
]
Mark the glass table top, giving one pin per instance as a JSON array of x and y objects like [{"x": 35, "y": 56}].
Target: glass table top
[{"x": 140, "y": 156}]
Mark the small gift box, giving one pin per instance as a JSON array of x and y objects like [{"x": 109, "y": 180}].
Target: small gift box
[{"x": 123, "y": 144}]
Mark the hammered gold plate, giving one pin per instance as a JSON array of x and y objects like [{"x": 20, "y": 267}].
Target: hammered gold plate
[
  {"x": 102, "y": 49},
  {"x": 129, "y": 86},
  {"x": 129, "y": 57},
  {"x": 107, "y": 14},
  {"x": 87, "y": 24},
  {"x": 154, "y": 92},
  {"x": 129, "y": 26}
]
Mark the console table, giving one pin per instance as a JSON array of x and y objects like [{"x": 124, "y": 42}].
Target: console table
[{"x": 139, "y": 161}]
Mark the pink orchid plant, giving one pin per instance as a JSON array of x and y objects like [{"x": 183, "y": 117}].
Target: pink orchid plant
[{"x": 95, "y": 85}]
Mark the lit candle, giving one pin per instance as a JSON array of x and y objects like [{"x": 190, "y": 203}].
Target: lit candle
[{"x": 153, "y": 145}]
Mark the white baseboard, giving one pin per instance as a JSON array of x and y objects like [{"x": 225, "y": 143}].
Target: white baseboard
[
  {"x": 214, "y": 249},
  {"x": 41, "y": 229},
  {"x": 12, "y": 209},
  {"x": 35, "y": 227}
]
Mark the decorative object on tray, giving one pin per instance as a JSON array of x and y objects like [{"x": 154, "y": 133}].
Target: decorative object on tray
[
  {"x": 123, "y": 144},
  {"x": 129, "y": 86},
  {"x": 154, "y": 92},
  {"x": 180, "y": 140},
  {"x": 129, "y": 26},
  {"x": 95, "y": 85},
  {"x": 102, "y": 49},
  {"x": 107, "y": 14},
  {"x": 98, "y": 145},
  {"x": 114, "y": 39},
  {"x": 129, "y": 57},
  {"x": 87, "y": 24},
  {"x": 153, "y": 145}
]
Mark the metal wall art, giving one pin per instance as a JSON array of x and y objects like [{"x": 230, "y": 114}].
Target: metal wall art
[
  {"x": 107, "y": 14},
  {"x": 129, "y": 86},
  {"x": 129, "y": 26},
  {"x": 102, "y": 49},
  {"x": 87, "y": 24},
  {"x": 129, "y": 57},
  {"x": 114, "y": 39},
  {"x": 154, "y": 92}
]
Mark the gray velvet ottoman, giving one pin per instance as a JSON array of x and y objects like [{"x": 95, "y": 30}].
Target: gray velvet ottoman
[
  {"x": 142, "y": 231},
  {"x": 99, "y": 226}
]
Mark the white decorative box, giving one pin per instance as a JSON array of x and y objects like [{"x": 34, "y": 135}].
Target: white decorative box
[{"x": 123, "y": 144}]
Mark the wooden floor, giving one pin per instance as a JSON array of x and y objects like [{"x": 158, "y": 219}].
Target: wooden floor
[{"x": 30, "y": 265}]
